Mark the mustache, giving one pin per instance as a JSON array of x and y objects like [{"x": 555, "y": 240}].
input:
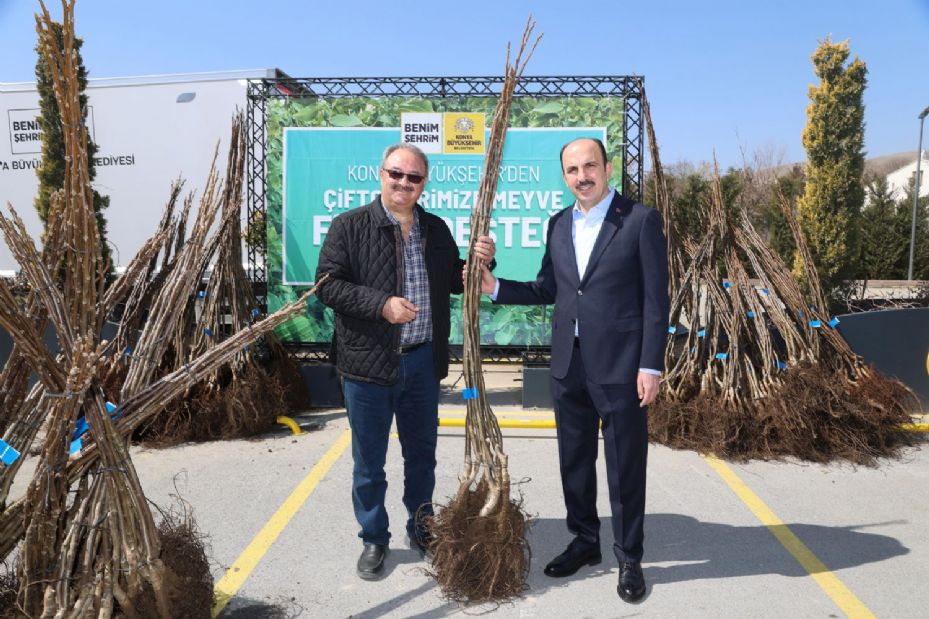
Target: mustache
[
  {"x": 399, "y": 187},
  {"x": 584, "y": 184}
]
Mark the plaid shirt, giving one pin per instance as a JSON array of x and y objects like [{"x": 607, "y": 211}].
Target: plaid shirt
[{"x": 415, "y": 285}]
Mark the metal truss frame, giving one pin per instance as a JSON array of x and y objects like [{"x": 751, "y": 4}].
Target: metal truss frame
[{"x": 629, "y": 87}]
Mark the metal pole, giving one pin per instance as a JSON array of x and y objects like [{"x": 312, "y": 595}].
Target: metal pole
[{"x": 919, "y": 158}]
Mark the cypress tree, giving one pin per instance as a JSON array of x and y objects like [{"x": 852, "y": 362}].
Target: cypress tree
[
  {"x": 51, "y": 171},
  {"x": 830, "y": 208}
]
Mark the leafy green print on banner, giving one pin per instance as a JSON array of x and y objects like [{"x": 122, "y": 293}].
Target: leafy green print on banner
[
  {"x": 506, "y": 325},
  {"x": 552, "y": 107},
  {"x": 346, "y": 120},
  {"x": 502, "y": 325}
]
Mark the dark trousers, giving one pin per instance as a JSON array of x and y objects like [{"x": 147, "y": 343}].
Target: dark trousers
[
  {"x": 414, "y": 399},
  {"x": 580, "y": 407}
]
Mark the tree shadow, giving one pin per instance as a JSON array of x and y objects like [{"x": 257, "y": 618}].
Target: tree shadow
[{"x": 395, "y": 603}]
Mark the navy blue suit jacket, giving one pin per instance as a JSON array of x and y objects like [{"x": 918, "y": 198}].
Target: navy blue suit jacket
[{"x": 621, "y": 303}]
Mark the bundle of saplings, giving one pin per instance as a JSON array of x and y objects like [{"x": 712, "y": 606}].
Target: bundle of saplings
[
  {"x": 83, "y": 534},
  {"x": 479, "y": 548},
  {"x": 755, "y": 367}
]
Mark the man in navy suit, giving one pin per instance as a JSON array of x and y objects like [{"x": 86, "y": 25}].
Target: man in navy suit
[{"x": 605, "y": 269}]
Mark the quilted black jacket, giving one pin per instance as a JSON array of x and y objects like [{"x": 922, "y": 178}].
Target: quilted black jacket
[{"x": 362, "y": 254}]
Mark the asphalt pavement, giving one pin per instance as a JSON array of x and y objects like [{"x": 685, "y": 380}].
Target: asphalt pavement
[{"x": 763, "y": 539}]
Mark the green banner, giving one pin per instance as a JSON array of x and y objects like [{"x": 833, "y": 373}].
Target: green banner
[
  {"x": 328, "y": 171},
  {"x": 323, "y": 158}
]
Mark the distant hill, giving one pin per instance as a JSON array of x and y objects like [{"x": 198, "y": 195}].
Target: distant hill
[
  {"x": 885, "y": 164},
  {"x": 876, "y": 166}
]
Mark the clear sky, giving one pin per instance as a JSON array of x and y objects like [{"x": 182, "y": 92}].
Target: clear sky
[{"x": 729, "y": 76}]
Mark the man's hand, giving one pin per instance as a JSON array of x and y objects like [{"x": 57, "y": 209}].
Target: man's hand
[
  {"x": 647, "y": 384},
  {"x": 488, "y": 281},
  {"x": 398, "y": 311},
  {"x": 485, "y": 249}
]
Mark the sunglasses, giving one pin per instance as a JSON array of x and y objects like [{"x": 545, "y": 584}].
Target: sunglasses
[{"x": 397, "y": 175}]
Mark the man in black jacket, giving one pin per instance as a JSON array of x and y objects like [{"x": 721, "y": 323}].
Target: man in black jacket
[{"x": 392, "y": 267}]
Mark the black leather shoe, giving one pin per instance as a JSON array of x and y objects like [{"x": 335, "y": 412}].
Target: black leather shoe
[
  {"x": 631, "y": 585},
  {"x": 371, "y": 561},
  {"x": 577, "y": 555},
  {"x": 420, "y": 543}
]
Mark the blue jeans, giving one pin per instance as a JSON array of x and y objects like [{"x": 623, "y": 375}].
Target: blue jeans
[{"x": 414, "y": 399}]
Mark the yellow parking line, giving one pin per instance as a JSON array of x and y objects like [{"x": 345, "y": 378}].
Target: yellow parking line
[
  {"x": 229, "y": 584},
  {"x": 827, "y": 581},
  {"x": 504, "y": 413},
  {"x": 536, "y": 424}
]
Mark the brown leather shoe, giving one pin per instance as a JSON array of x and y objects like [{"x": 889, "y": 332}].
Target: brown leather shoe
[
  {"x": 631, "y": 585},
  {"x": 575, "y": 556}
]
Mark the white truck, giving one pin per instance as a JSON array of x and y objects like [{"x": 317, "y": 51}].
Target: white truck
[{"x": 149, "y": 131}]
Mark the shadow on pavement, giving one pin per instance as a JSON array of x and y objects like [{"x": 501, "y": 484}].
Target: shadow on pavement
[
  {"x": 704, "y": 550},
  {"x": 695, "y": 550},
  {"x": 245, "y": 608},
  {"x": 398, "y": 601}
]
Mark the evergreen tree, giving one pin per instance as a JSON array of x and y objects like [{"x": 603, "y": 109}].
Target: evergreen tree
[
  {"x": 690, "y": 204},
  {"x": 51, "y": 171},
  {"x": 904, "y": 225},
  {"x": 771, "y": 216},
  {"x": 830, "y": 207},
  {"x": 690, "y": 192},
  {"x": 883, "y": 243}
]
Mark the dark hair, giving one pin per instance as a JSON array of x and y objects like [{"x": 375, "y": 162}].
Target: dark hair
[
  {"x": 410, "y": 147},
  {"x": 595, "y": 140}
]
